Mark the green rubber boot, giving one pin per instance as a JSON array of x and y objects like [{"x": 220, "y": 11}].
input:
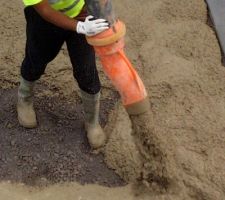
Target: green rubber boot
[
  {"x": 25, "y": 109},
  {"x": 95, "y": 134}
]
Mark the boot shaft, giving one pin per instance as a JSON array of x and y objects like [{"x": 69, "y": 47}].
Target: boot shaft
[
  {"x": 91, "y": 105},
  {"x": 25, "y": 90}
]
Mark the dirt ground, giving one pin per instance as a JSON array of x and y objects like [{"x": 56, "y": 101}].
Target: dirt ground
[
  {"x": 34, "y": 156},
  {"x": 177, "y": 55}
]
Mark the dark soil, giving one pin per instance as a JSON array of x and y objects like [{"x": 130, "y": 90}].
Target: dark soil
[{"x": 56, "y": 151}]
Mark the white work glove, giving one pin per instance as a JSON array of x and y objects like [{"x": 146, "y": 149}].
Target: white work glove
[{"x": 92, "y": 27}]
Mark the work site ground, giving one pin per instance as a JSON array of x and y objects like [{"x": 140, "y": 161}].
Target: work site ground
[{"x": 177, "y": 55}]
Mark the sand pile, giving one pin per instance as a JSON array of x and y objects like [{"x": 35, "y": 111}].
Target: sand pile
[
  {"x": 180, "y": 65},
  {"x": 178, "y": 56}
]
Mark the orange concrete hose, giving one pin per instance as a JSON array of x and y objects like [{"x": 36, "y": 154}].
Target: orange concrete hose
[{"x": 109, "y": 47}]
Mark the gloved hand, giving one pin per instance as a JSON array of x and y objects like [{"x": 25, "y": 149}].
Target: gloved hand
[{"x": 92, "y": 27}]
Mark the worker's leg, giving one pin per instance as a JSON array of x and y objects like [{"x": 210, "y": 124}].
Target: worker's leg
[
  {"x": 44, "y": 41},
  {"x": 84, "y": 67}
]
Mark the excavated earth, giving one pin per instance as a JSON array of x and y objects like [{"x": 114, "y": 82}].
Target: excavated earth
[{"x": 176, "y": 151}]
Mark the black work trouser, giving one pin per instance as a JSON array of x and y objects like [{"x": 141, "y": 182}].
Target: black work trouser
[{"x": 44, "y": 41}]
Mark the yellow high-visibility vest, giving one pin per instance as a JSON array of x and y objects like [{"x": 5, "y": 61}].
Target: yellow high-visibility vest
[{"x": 71, "y": 8}]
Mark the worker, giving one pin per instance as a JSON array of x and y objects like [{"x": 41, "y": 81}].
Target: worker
[{"x": 50, "y": 23}]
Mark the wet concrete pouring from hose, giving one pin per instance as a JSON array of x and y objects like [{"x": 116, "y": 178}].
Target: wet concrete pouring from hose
[
  {"x": 153, "y": 174},
  {"x": 56, "y": 151}
]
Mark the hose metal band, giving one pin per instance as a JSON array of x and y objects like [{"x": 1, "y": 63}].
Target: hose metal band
[{"x": 138, "y": 107}]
